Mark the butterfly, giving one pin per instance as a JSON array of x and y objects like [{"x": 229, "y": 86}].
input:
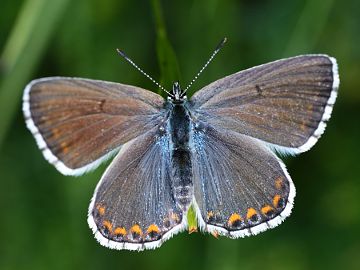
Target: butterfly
[{"x": 215, "y": 152}]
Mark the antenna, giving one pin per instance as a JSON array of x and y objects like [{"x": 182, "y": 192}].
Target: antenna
[
  {"x": 217, "y": 49},
  {"x": 143, "y": 72}
]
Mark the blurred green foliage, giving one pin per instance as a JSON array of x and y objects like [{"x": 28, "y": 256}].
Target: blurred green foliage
[{"x": 43, "y": 214}]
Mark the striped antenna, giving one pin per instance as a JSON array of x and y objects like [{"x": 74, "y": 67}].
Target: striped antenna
[
  {"x": 217, "y": 49},
  {"x": 143, "y": 72}
]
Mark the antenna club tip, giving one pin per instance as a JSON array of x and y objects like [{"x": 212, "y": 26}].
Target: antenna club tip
[
  {"x": 221, "y": 44},
  {"x": 120, "y": 52}
]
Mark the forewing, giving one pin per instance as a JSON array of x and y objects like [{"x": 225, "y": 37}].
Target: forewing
[
  {"x": 133, "y": 206},
  {"x": 285, "y": 103},
  {"x": 241, "y": 188},
  {"x": 77, "y": 123}
]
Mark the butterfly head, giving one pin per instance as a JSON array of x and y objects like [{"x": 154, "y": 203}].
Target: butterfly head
[{"x": 177, "y": 95}]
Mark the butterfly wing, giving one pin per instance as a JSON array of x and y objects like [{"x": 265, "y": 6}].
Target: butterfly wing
[
  {"x": 133, "y": 206},
  {"x": 240, "y": 187},
  {"x": 285, "y": 103},
  {"x": 78, "y": 123}
]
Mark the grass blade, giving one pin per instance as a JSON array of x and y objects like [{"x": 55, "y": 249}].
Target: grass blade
[
  {"x": 169, "y": 68},
  {"x": 26, "y": 44}
]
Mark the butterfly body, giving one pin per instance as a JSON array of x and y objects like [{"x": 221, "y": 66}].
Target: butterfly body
[
  {"x": 180, "y": 130},
  {"x": 214, "y": 152}
]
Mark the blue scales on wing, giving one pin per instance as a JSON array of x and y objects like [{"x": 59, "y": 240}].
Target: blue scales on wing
[
  {"x": 240, "y": 186},
  {"x": 133, "y": 206}
]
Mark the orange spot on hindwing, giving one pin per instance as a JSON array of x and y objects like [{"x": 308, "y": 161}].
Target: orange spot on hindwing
[
  {"x": 278, "y": 202},
  {"x": 251, "y": 215},
  {"x": 101, "y": 210},
  {"x": 235, "y": 220},
  {"x": 107, "y": 227},
  {"x": 64, "y": 147},
  {"x": 153, "y": 228},
  {"x": 210, "y": 216},
  {"x": 153, "y": 232},
  {"x": 120, "y": 231},
  {"x": 267, "y": 210},
  {"x": 279, "y": 182},
  {"x": 136, "y": 231},
  {"x": 213, "y": 217},
  {"x": 119, "y": 234}
]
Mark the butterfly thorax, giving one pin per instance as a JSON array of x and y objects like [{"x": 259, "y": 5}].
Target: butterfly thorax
[{"x": 180, "y": 129}]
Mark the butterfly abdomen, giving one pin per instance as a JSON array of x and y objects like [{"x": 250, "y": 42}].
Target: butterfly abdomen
[{"x": 180, "y": 156}]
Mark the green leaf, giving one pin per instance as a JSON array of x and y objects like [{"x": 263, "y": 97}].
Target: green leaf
[{"x": 192, "y": 222}]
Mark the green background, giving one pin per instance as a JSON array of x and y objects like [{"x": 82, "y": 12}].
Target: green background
[{"x": 43, "y": 214}]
